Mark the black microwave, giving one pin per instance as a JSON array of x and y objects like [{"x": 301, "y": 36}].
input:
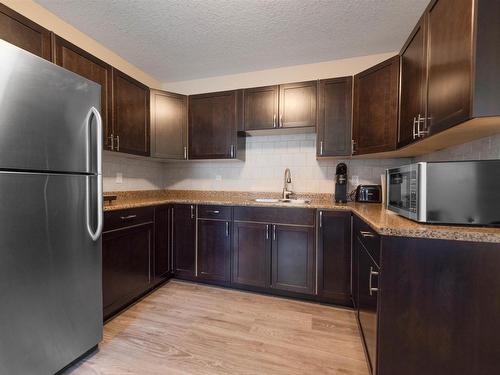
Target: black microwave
[{"x": 458, "y": 192}]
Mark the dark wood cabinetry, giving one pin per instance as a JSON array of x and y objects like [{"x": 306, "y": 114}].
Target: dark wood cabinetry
[
  {"x": 413, "y": 92},
  {"x": 214, "y": 249},
  {"x": 251, "y": 254},
  {"x": 130, "y": 130},
  {"x": 334, "y": 256},
  {"x": 127, "y": 249},
  {"x": 168, "y": 125},
  {"x": 297, "y": 105},
  {"x": 293, "y": 258},
  {"x": 81, "y": 62},
  {"x": 184, "y": 240},
  {"x": 213, "y": 125},
  {"x": 375, "y": 116},
  {"x": 260, "y": 108},
  {"x": 334, "y": 119},
  {"x": 163, "y": 264},
  {"x": 24, "y": 33}
]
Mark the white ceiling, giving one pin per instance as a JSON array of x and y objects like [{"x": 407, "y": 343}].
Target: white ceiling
[{"x": 175, "y": 40}]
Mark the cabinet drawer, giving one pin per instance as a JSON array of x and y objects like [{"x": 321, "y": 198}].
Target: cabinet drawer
[
  {"x": 294, "y": 216},
  {"x": 214, "y": 212},
  {"x": 368, "y": 237},
  {"x": 128, "y": 217}
]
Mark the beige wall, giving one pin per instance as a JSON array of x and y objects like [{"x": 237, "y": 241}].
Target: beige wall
[
  {"x": 53, "y": 23},
  {"x": 296, "y": 73}
]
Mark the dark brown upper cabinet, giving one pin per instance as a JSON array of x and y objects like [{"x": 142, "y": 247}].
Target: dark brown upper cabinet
[
  {"x": 449, "y": 70},
  {"x": 213, "y": 125},
  {"x": 130, "y": 130},
  {"x": 375, "y": 116},
  {"x": 24, "y": 33},
  {"x": 260, "y": 108},
  {"x": 413, "y": 102},
  {"x": 297, "y": 105},
  {"x": 168, "y": 125},
  {"x": 81, "y": 62},
  {"x": 334, "y": 117}
]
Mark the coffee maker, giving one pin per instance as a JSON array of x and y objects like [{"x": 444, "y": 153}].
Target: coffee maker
[{"x": 341, "y": 183}]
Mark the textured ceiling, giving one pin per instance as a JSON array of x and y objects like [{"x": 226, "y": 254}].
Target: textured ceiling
[{"x": 175, "y": 40}]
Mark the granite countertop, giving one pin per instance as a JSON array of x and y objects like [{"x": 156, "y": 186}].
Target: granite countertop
[{"x": 384, "y": 222}]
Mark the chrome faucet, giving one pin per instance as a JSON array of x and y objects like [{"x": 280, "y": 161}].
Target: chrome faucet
[{"x": 287, "y": 180}]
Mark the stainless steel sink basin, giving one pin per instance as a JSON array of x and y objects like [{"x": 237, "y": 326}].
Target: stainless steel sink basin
[
  {"x": 290, "y": 201},
  {"x": 267, "y": 200}
]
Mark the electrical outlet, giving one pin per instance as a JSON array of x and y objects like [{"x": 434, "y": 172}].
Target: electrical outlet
[
  {"x": 355, "y": 180},
  {"x": 119, "y": 178}
]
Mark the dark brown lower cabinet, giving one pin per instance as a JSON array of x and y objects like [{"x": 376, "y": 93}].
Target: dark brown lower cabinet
[
  {"x": 439, "y": 307},
  {"x": 334, "y": 256},
  {"x": 126, "y": 256},
  {"x": 184, "y": 240},
  {"x": 251, "y": 254},
  {"x": 163, "y": 264},
  {"x": 214, "y": 250},
  {"x": 368, "y": 273},
  {"x": 293, "y": 258}
]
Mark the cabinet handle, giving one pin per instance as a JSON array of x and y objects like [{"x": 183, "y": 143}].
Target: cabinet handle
[
  {"x": 366, "y": 234},
  {"x": 117, "y": 143},
  {"x": 353, "y": 146},
  {"x": 231, "y": 151},
  {"x": 267, "y": 231},
  {"x": 274, "y": 120},
  {"x": 192, "y": 212},
  {"x": 421, "y": 132},
  {"x": 371, "y": 289},
  {"x": 321, "y": 148},
  {"x": 112, "y": 139},
  {"x": 281, "y": 120},
  {"x": 185, "y": 153},
  {"x": 274, "y": 232},
  {"x": 128, "y": 217},
  {"x": 227, "y": 228},
  {"x": 320, "y": 219},
  {"x": 414, "y": 128}
]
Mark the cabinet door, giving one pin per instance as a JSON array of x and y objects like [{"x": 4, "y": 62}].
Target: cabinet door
[
  {"x": 125, "y": 266},
  {"x": 367, "y": 302},
  {"x": 163, "y": 243},
  {"x": 334, "y": 120},
  {"x": 212, "y": 125},
  {"x": 334, "y": 256},
  {"x": 413, "y": 85},
  {"x": 130, "y": 115},
  {"x": 375, "y": 117},
  {"x": 298, "y": 105},
  {"x": 168, "y": 125},
  {"x": 251, "y": 254},
  {"x": 24, "y": 33},
  {"x": 81, "y": 62},
  {"x": 260, "y": 108},
  {"x": 184, "y": 240},
  {"x": 293, "y": 258},
  {"x": 450, "y": 63},
  {"x": 214, "y": 244}
]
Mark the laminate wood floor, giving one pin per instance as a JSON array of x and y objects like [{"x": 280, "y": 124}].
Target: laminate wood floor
[{"x": 185, "y": 328}]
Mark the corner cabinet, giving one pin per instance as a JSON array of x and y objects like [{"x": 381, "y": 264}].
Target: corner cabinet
[
  {"x": 130, "y": 125},
  {"x": 81, "y": 62},
  {"x": 375, "y": 116},
  {"x": 24, "y": 33},
  {"x": 334, "y": 117},
  {"x": 168, "y": 125},
  {"x": 213, "y": 125}
]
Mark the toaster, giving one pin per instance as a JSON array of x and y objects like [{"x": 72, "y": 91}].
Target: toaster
[{"x": 369, "y": 193}]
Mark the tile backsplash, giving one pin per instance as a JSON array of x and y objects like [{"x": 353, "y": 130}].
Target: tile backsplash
[{"x": 266, "y": 159}]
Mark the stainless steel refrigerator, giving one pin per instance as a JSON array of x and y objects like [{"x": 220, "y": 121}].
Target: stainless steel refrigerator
[{"x": 51, "y": 214}]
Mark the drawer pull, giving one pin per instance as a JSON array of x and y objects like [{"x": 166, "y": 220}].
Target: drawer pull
[
  {"x": 371, "y": 289},
  {"x": 215, "y": 212},
  {"x": 366, "y": 234},
  {"x": 128, "y": 217}
]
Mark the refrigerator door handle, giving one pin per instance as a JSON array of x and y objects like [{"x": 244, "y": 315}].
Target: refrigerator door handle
[{"x": 97, "y": 233}]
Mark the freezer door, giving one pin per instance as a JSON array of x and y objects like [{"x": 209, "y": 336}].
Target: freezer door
[
  {"x": 50, "y": 272},
  {"x": 46, "y": 123}
]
